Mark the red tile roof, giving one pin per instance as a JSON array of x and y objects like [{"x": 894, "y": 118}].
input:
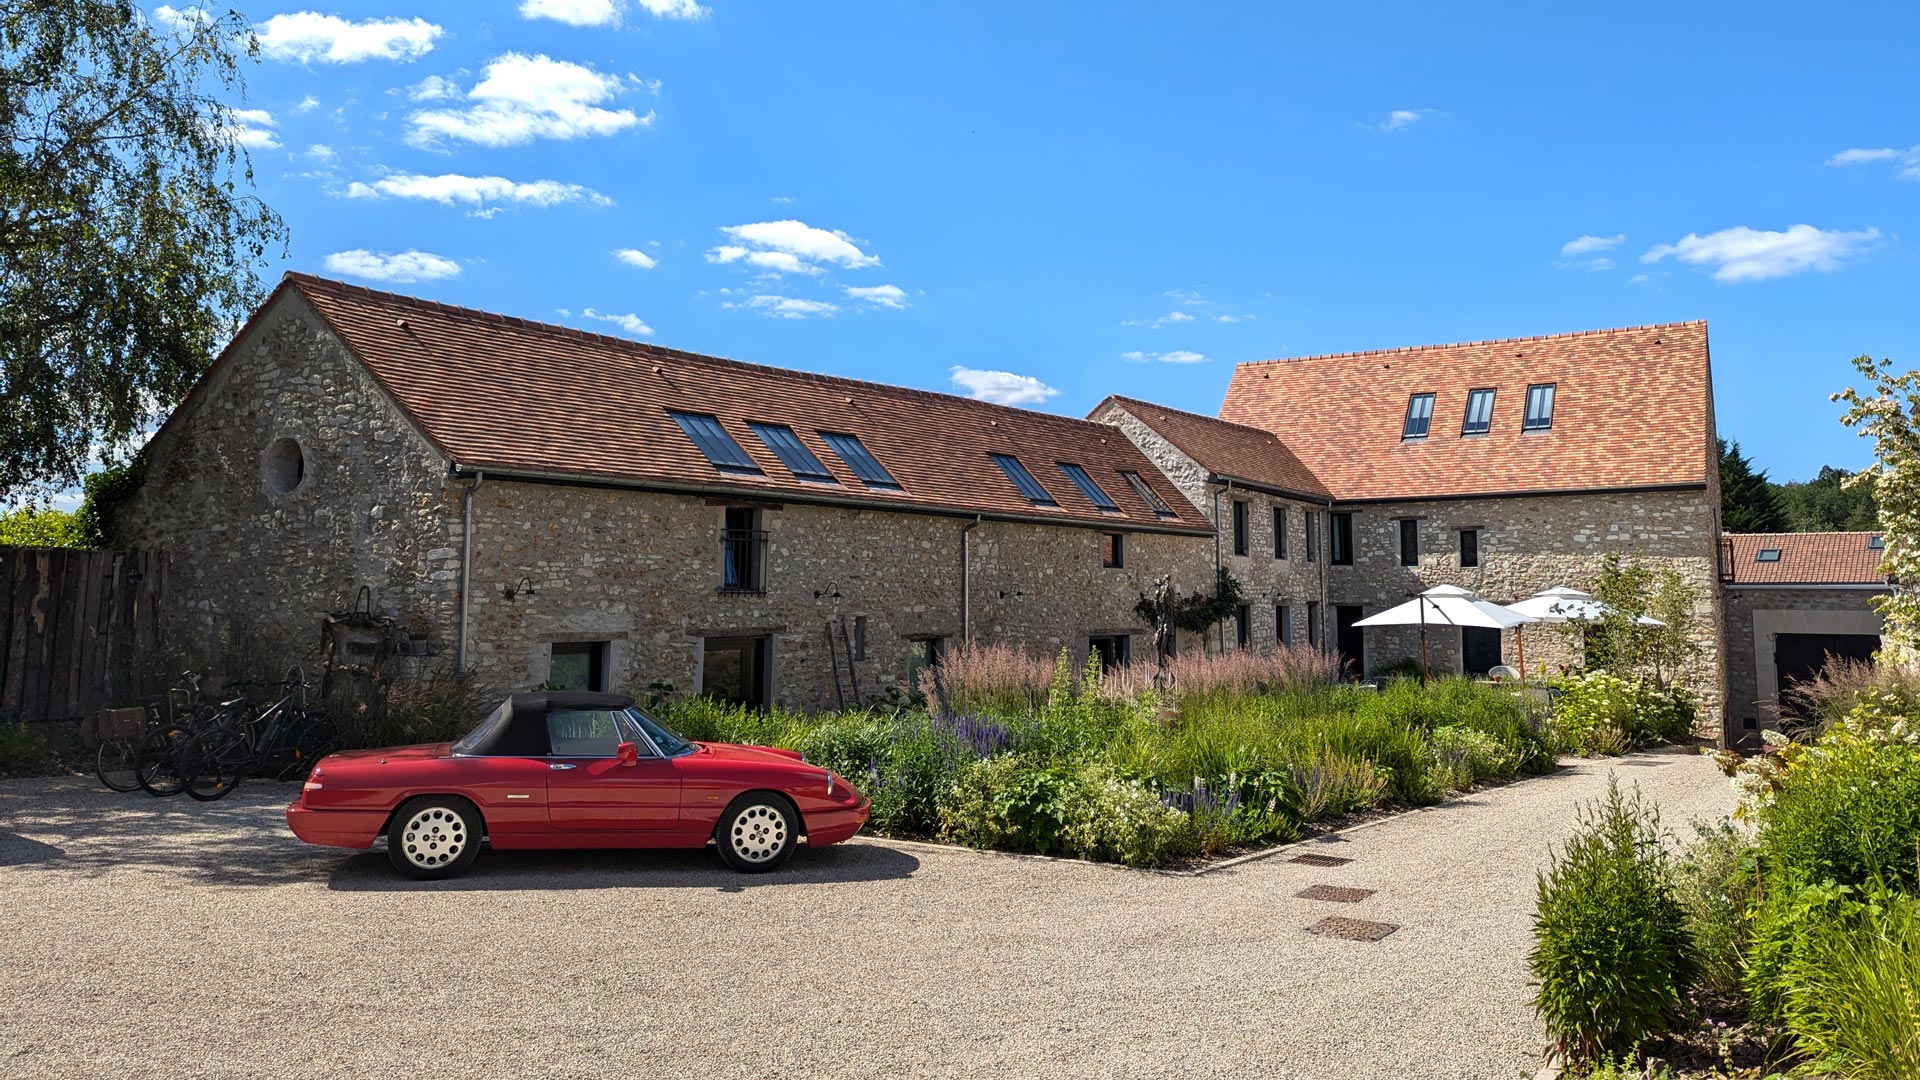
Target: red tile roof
[
  {"x": 507, "y": 395},
  {"x": 1632, "y": 408},
  {"x": 1835, "y": 558},
  {"x": 1229, "y": 450}
]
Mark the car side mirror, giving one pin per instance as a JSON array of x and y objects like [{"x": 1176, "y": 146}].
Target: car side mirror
[{"x": 628, "y": 753}]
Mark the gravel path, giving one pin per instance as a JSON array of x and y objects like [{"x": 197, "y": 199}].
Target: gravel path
[{"x": 147, "y": 938}]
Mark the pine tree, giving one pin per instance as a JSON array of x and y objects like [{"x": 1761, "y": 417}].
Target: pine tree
[{"x": 1749, "y": 502}]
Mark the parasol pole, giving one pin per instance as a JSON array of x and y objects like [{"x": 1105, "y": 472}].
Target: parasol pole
[{"x": 1422, "y": 601}]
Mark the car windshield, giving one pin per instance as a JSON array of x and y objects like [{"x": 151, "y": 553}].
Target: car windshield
[{"x": 670, "y": 745}]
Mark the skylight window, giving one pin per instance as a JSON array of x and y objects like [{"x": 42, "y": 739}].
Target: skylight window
[
  {"x": 1023, "y": 479},
  {"x": 1419, "y": 416},
  {"x": 864, "y": 464},
  {"x": 713, "y": 441},
  {"x": 792, "y": 452},
  {"x": 1087, "y": 487},
  {"x": 1479, "y": 413},
  {"x": 1876, "y": 543},
  {"x": 1148, "y": 495},
  {"x": 1767, "y": 555},
  {"x": 1539, "y": 408}
]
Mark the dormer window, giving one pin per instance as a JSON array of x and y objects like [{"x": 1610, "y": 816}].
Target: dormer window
[
  {"x": 1479, "y": 413},
  {"x": 1767, "y": 555},
  {"x": 1419, "y": 417},
  {"x": 1539, "y": 408}
]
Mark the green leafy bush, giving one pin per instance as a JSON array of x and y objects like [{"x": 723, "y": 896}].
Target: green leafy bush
[
  {"x": 1125, "y": 821},
  {"x": 1464, "y": 756},
  {"x": 1851, "y": 993},
  {"x": 1847, "y": 809},
  {"x": 23, "y": 751},
  {"x": 1611, "y": 958},
  {"x": 41, "y": 528},
  {"x": 1599, "y": 713},
  {"x": 1006, "y": 802},
  {"x": 1716, "y": 881}
]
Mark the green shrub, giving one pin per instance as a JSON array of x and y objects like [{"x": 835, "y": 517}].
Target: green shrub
[
  {"x": 1124, "y": 821},
  {"x": 1847, "y": 809},
  {"x": 1791, "y": 914},
  {"x": 1007, "y": 802},
  {"x": 1465, "y": 756},
  {"x": 1716, "y": 881},
  {"x": 1332, "y": 783},
  {"x": 1851, "y": 993},
  {"x": 1599, "y": 712},
  {"x": 1611, "y": 958},
  {"x": 24, "y": 750}
]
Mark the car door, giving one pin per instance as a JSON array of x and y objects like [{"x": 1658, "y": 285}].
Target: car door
[{"x": 589, "y": 787}]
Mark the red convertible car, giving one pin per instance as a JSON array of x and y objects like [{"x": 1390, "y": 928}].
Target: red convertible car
[{"x": 573, "y": 770}]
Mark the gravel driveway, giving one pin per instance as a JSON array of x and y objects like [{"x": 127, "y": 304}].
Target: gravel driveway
[{"x": 147, "y": 938}]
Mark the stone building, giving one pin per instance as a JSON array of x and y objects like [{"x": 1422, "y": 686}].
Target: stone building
[
  {"x": 552, "y": 506},
  {"x": 1793, "y": 601},
  {"x": 1505, "y": 467}
]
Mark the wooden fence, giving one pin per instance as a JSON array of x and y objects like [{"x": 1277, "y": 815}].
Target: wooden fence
[{"x": 73, "y": 626}]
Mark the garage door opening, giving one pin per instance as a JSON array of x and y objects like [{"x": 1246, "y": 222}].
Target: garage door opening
[{"x": 1797, "y": 658}]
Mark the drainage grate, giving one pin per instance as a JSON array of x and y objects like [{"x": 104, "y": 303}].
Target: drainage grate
[
  {"x": 1320, "y": 860},
  {"x": 1335, "y": 893},
  {"x": 1351, "y": 929}
]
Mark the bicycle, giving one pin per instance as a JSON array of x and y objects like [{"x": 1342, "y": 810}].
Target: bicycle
[
  {"x": 285, "y": 738},
  {"x": 172, "y": 720}
]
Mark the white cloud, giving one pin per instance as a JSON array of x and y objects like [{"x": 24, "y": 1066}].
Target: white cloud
[
  {"x": 1403, "y": 118},
  {"x": 1230, "y": 319},
  {"x": 674, "y": 9},
  {"x": 1744, "y": 254},
  {"x": 892, "y": 296},
  {"x": 450, "y": 188},
  {"x": 572, "y": 12},
  {"x": 307, "y": 104},
  {"x": 401, "y": 266},
  {"x": 1000, "y": 387},
  {"x": 789, "y": 247},
  {"x": 1175, "y": 356},
  {"x": 1908, "y": 159},
  {"x": 1586, "y": 245},
  {"x": 433, "y": 88},
  {"x": 1155, "y": 324},
  {"x": 521, "y": 98},
  {"x": 788, "y": 307},
  {"x": 636, "y": 258},
  {"x": 252, "y": 128},
  {"x": 320, "y": 152},
  {"x": 303, "y": 37},
  {"x": 180, "y": 21},
  {"x": 632, "y": 324}
]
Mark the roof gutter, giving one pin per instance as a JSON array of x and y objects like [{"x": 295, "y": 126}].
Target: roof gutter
[
  {"x": 1269, "y": 489},
  {"x": 1111, "y": 524}
]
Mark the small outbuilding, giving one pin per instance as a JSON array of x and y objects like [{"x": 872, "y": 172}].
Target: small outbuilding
[{"x": 1794, "y": 601}]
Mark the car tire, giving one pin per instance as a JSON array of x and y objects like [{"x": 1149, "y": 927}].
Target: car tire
[
  {"x": 758, "y": 833},
  {"x": 434, "y": 837}
]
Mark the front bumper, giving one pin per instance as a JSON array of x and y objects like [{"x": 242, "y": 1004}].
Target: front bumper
[
  {"x": 832, "y": 826},
  {"x": 336, "y": 828}
]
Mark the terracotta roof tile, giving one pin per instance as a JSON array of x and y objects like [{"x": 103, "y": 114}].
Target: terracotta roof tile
[
  {"x": 1835, "y": 558},
  {"x": 501, "y": 393},
  {"x": 1632, "y": 408},
  {"x": 1227, "y": 449}
]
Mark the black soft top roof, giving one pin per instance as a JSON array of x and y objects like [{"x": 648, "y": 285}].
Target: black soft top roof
[{"x": 518, "y": 728}]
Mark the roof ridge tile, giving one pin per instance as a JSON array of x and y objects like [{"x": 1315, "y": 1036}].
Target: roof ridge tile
[{"x": 1565, "y": 334}]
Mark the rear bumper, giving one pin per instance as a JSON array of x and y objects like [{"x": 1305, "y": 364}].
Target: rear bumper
[
  {"x": 832, "y": 826},
  {"x": 336, "y": 828}
]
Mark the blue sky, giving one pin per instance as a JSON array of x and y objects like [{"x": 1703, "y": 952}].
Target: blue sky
[{"x": 1010, "y": 199}]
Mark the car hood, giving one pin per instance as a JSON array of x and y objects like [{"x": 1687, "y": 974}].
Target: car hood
[
  {"x": 743, "y": 752},
  {"x": 390, "y": 753}
]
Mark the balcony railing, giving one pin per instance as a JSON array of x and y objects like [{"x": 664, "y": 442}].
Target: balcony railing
[{"x": 743, "y": 560}]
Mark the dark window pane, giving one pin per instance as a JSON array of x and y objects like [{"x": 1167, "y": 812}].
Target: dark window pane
[
  {"x": 1340, "y": 543},
  {"x": 1240, "y": 546},
  {"x": 742, "y": 546},
  {"x": 1479, "y": 413},
  {"x": 1409, "y": 542},
  {"x": 1767, "y": 555},
  {"x": 1023, "y": 479},
  {"x": 1147, "y": 494},
  {"x": 1113, "y": 553},
  {"x": 1283, "y": 624},
  {"x": 1243, "y": 632},
  {"x": 1469, "y": 547},
  {"x": 864, "y": 465},
  {"x": 713, "y": 441},
  {"x": 792, "y": 452},
  {"x": 1279, "y": 532},
  {"x": 1419, "y": 416},
  {"x": 1091, "y": 490}
]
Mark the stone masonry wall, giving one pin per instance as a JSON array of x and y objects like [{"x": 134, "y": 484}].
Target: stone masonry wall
[
  {"x": 642, "y": 571},
  {"x": 1526, "y": 545},
  {"x": 256, "y": 568}
]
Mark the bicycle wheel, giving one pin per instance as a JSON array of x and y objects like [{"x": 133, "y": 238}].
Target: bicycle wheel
[
  {"x": 315, "y": 736},
  {"x": 213, "y": 763},
  {"x": 113, "y": 763},
  {"x": 156, "y": 767}
]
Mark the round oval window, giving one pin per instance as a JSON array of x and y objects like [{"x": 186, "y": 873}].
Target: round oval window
[{"x": 284, "y": 466}]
